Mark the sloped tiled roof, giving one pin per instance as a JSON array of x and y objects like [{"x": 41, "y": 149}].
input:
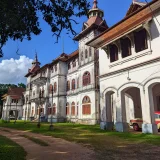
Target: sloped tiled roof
[
  {"x": 73, "y": 54},
  {"x": 16, "y": 91}
]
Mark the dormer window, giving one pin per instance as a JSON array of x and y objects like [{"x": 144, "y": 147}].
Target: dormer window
[
  {"x": 126, "y": 47},
  {"x": 69, "y": 66},
  {"x": 74, "y": 63},
  {"x": 140, "y": 39},
  {"x": 86, "y": 53},
  {"x": 113, "y": 53},
  {"x": 82, "y": 55},
  {"x": 55, "y": 87},
  {"x": 90, "y": 51},
  {"x": 56, "y": 68},
  {"x": 52, "y": 69}
]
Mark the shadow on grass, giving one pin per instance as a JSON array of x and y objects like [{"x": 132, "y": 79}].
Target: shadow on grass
[{"x": 10, "y": 150}]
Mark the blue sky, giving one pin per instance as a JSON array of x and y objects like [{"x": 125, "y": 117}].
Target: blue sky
[{"x": 45, "y": 45}]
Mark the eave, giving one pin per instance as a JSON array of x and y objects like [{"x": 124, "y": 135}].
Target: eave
[
  {"x": 126, "y": 24},
  {"x": 87, "y": 30}
]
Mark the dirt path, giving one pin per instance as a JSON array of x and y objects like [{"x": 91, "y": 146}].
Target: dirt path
[{"x": 58, "y": 149}]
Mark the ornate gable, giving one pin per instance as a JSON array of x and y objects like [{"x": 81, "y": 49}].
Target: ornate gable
[{"x": 135, "y": 6}]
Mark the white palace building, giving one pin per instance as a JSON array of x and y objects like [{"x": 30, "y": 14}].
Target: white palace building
[{"x": 112, "y": 78}]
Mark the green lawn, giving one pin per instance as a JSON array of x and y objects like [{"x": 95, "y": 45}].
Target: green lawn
[
  {"x": 10, "y": 150},
  {"x": 103, "y": 142}
]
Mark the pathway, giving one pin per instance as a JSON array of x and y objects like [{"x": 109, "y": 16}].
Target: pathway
[{"x": 58, "y": 149}]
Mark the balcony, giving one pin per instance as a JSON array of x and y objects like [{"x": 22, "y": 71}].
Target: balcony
[
  {"x": 37, "y": 99},
  {"x": 39, "y": 79},
  {"x": 81, "y": 89}
]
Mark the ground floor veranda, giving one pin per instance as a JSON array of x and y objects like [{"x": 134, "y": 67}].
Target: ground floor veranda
[
  {"x": 129, "y": 101},
  {"x": 82, "y": 108}
]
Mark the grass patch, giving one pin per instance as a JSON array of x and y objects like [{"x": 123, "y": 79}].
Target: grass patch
[
  {"x": 9, "y": 150},
  {"x": 106, "y": 144},
  {"x": 35, "y": 140}
]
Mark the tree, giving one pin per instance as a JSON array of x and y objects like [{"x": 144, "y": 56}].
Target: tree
[
  {"x": 22, "y": 85},
  {"x": 19, "y": 19}
]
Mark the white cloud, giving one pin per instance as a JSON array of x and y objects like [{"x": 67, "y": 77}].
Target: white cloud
[{"x": 14, "y": 70}]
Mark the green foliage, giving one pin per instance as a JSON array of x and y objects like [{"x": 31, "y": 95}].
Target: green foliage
[
  {"x": 10, "y": 150},
  {"x": 21, "y": 85},
  {"x": 107, "y": 145},
  {"x": 20, "y": 18}
]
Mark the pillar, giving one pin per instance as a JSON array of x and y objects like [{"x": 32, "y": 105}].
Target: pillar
[
  {"x": 121, "y": 124},
  {"x": 148, "y": 125}
]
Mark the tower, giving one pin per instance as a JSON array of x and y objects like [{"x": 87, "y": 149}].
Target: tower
[
  {"x": 91, "y": 28},
  {"x": 35, "y": 64}
]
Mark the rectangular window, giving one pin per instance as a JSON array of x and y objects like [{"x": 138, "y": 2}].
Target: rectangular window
[
  {"x": 73, "y": 110},
  {"x": 67, "y": 110},
  {"x": 86, "y": 109}
]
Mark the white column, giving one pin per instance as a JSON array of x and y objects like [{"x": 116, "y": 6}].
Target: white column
[
  {"x": 121, "y": 124},
  {"x": 148, "y": 125}
]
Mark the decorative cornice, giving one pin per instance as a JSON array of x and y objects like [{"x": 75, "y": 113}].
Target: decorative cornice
[{"x": 130, "y": 67}]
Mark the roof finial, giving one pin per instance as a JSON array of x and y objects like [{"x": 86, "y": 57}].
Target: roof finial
[
  {"x": 95, "y": 4},
  {"x": 134, "y": 1},
  {"x": 36, "y": 57}
]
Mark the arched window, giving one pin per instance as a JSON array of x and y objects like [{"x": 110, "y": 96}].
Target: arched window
[
  {"x": 55, "y": 87},
  {"x": 49, "y": 109},
  {"x": 73, "y": 84},
  {"x": 126, "y": 47},
  {"x": 32, "y": 112},
  {"x": 86, "y": 106},
  {"x": 90, "y": 51},
  {"x": 86, "y": 79},
  {"x": 86, "y": 53},
  {"x": 113, "y": 53},
  {"x": 82, "y": 55},
  {"x": 69, "y": 66},
  {"x": 54, "y": 109},
  {"x": 77, "y": 108},
  {"x": 78, "y": 82},
  {"x": 40, "y": 93},
  {"x": 73, "y": 109},
  {"x": 140, "y": 39},
  {"x": 50, "y": 88},
  {"x": 68, "y": 85},
  {"x": 67, "y": 109}
]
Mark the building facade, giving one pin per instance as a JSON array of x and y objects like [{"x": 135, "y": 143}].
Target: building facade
[
  {"x": 112, "y": 78},
  {"x": 68, "y": 88},
  {"x": 13, "y": 104},
  {"x": 130, "y": 68}
]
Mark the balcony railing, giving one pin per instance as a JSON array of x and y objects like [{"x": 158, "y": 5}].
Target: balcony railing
[
  {"x": 81, "y": 89},
  {"x": 39, "y": 79},
  {"x": 36, "y": 98}
]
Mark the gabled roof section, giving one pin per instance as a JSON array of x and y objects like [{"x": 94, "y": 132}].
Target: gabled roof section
[
  {"x": 16, "y": 93},
  {"x": 95, "y": 21},
  {"x": 129, "y": 22},
  {"x": 135, "y": 6},
  {"x": 73, "y": 54}
]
